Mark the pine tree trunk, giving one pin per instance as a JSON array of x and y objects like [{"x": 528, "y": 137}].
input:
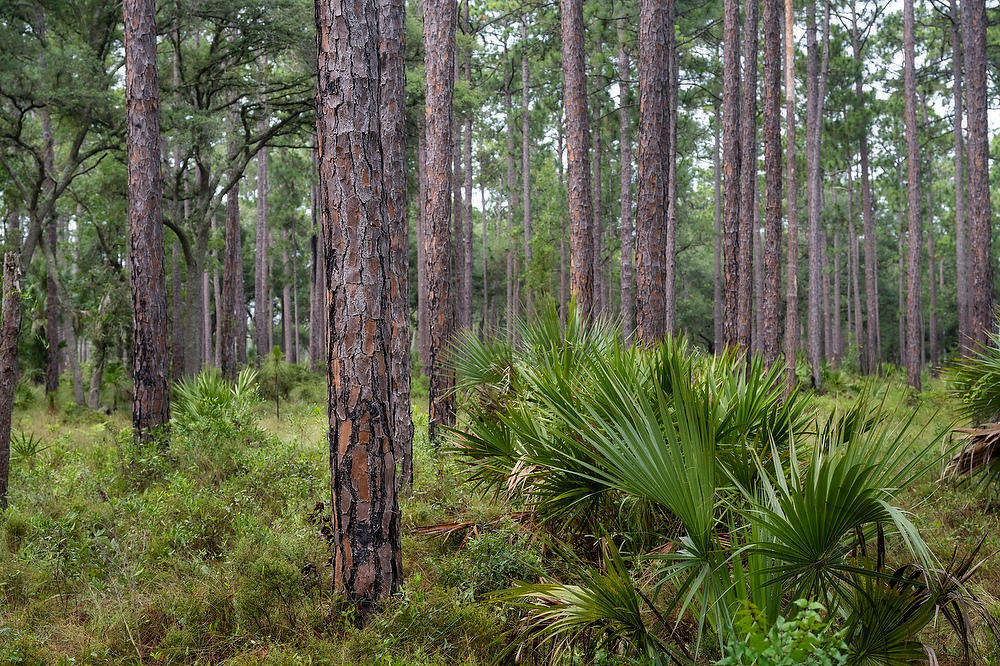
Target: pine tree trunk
[
  {"x": 261, "y": 289},
  {"x": 731, "y": 166},
  {"x": 597, "y": 224},
  {"x": 838, "y": 328},
  {"x": 439, "y": 60},
  {"x": 827, "y": 311},
  {"x": 316, "y": 354},
  {"x": 466, "y": 305},
  {"x": 295, "y": 300},
  {"x": 458, "y": 224},
  {"x": 486, "y": 325},
  {"x": 151, "y": 396},
  {"x": 748, "y": 178},
  {"x": 423, "y": 318},
  {"x": 392, "y": 28},
  {"x": 581, "y": 249},
  {"x": 792, "y": 195},
  {"x": 670, "y": 238},
  {"x": 10, "y": 329},
  {"x": 961, "y": 276},
  {"x": 855, "y": 255},
  {"x": 217, "y": 300},
  {"x": 357, "y": 233},
  {"x": 512, "y": 277},
  {"x": 51, "y": 242},
  {"x": 651, "y": 211},
  {"x": 286, "y": 303},
  {"x": 979, "y": 269},
  {"x": 231, "y": 267},
  {"x": 770, "y": 295},
  {"x": 625, "y": 186},
  {"x": 526, "y": 170},
  {"x": 563, "y": 259},
  {"x": 901, "y": 284},
  {"x": 813, "y": 122},
  {"x": 913, "y": 337},
  {"x": 717, "y": 310}
]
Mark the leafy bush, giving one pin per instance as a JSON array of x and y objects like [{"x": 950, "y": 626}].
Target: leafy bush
[{"x": 803, "y": 638}]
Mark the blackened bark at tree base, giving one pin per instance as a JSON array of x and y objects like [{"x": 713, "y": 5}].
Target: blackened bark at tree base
[{"x": 365, "y": 512}]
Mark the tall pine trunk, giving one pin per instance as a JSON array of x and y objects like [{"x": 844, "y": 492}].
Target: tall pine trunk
[
  {"x": 439, "y": 62},
  {"x": 10, "y": 329},
  {"x": 261, "y": 289},
  {"x": 526, "y": 169},
  {"x": 961, "y": 276},
  {"x": 770, "y": 296},
  {"x": 913, "y": 336},
  {"x": 512, "y": 277},
  {"x": 150, "y": 396},
  {"x": 670, "y": 239},
  {"x": 717, "y": 310},
  {"x": 597, "y": 224},
  {"x": 731, "y": 166},
  {"x": 392, "y": 28},
  {"x": 651, "y": 210},
  {"x": 980, "y": 272},
  {"x": 748, "y": 178},
  {"x": 625, "y": 186},
  {"x": 792, "y": 194},
  {"x": 356, "y": 228},
  {"x": 581, "y": 249}
]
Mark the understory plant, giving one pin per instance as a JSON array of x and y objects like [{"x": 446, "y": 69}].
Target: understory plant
[
  {"x": 208, "y": 400},
  {"x": 686, "y": 487}
]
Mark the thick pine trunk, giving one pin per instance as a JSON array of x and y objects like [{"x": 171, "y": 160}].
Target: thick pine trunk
[
  {"x": 458, "y": 224},
  {"x": 439, "y": 61},
  {"x": 913, "y": 336},
  {"x": 980, "y": 272},
  {"x": 391, "y": 15},
  {"x": 151, "y": 396},
  {"x": 792, "y": 195},
  {"x": 625, "y": 186},
  {"x": 357, "y": 234},
  {"x": 581, "y": 250},
  {"x": 813, "y": 203},
  {"x": 769, "y": 298},
  {"x": 423, "y": 318},
  {"x": 731, "y": 166},
  {"x": 651, "y": 210},
  {"x": 231, "y": 267},
  {"x": 465, "y": 306}
]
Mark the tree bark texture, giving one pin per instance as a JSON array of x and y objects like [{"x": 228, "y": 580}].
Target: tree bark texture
[
  {"x": 913, "y": 336},
  {"x": 625, "y": 187},
  {"x": 792, "y": 194},
  {"x": 770, "y": 297},
  {"x": 439, "y": 60},
  {"x": 261, "y": 287},
  {"x": 356, "y": 230},
  {"x": 980, "y": 271},
  {"x": 581, "y": 250},
  {"x": 961, "y": 276},
  {"x": 670, "y": 239},
  {"x": 651, "y": 210},
  {"x": 526, "y": 169},
  {"x": 391, "y": 14},
  {"x": 731, "y": 166},
  {"x": 151, "y": 397},
  {"x": 10, "y": 329},
  {"x": 748, "y": 177}
]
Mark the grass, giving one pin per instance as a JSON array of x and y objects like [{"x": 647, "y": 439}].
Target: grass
[{"x": 214, "y": 553}]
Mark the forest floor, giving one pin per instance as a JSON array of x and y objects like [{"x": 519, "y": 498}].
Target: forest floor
[{"x": 214, "y": 552}]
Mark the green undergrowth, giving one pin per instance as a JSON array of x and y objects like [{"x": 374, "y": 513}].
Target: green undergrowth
[{"x": 214, "y": 552}]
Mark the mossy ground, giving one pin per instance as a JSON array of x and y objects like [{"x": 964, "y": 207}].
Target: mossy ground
[{"x": 213, "y": 552}]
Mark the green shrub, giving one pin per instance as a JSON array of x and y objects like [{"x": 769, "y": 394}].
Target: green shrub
[
  {"x": 492, "y": 561},
  {"x": 209, "y": 400},
  {"x": 802, "y": 638}
]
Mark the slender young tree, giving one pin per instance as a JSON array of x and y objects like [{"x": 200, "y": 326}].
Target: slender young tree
[
  {"x": 526, "y": 167},
  {"x": 792, "y": 194},
  {"x": 513, "y": 306},
  {"x": 392, "y": 85},
  {"x": 261, "y": 287},
  {"x": 770, "y": 297},
  {"x": 869, "y": 348},
  {"x": 913, "y": 336},
  {"x": 731, "y": 165},
  {"x": 597, "y": 223},
  {"x": 958, "y": 110},
  {"x": 465, "y": 307},
  {"x": 625, "y": 185},
  {"x": 651, "y": 211},
  {"x": 980, "y": 272},
  {"x": 356, "y": 228},
  {"x": 151, "y": 395},
  {"x": 717, "y": 310},
  {"x": 581, "y": 249},
  {"x": 439, "y": 63}
]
